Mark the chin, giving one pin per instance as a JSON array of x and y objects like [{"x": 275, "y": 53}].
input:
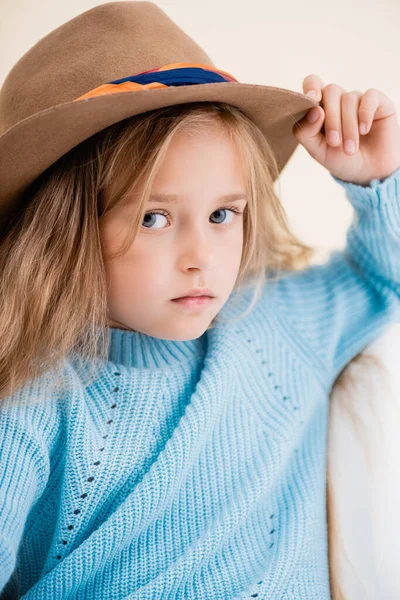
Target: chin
[{"x": 186, "y": 334}]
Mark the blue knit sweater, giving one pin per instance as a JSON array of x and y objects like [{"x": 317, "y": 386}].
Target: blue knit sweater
[{"x": 196, "y": 469}]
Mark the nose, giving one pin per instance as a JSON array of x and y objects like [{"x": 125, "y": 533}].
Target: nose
[{"x": 195, "y": 250}]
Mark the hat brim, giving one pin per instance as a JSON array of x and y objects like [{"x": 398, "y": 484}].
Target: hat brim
[{"x": 32, "y": 145}]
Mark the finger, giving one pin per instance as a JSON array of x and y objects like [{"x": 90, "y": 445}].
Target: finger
[
  {"x": 331, "y": 103},
  {"x": 371, "y": 101},
  {"x": 349, "y": 108},
  {"x": 309, "y": 134},
  {"x": 313, "y": 83}
]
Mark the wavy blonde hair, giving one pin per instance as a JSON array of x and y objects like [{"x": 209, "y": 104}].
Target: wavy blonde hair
[{"x": 53, "y": 298}]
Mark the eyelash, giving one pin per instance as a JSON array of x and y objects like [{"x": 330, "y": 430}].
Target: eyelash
[{"x": 165, "y": 214}]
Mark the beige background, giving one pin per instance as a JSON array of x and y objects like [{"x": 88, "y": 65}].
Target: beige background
[{"x": 354, "y": 44}]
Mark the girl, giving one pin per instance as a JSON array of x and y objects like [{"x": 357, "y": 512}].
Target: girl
[{"x": 167, "y": 350}]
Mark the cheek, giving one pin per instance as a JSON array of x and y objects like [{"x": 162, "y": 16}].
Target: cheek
[
  {"x": 139, "y": 270},
  {"x": 232, "y": 247}
]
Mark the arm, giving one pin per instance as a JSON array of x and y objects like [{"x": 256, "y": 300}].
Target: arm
[
  {"x": 339, "y": 307},
  {"x": 24, "y": 472}
]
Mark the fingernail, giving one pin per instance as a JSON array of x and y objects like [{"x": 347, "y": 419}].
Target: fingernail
[
  {"x": 334, "y": 137},
  {"x": 312, "y": 94},
  {"x": 350, "y": 146}
]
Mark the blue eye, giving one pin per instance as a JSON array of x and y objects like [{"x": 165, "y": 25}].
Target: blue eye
[
  {"x": 224, "y": 210},
  {"x": 150, "y": 216}
]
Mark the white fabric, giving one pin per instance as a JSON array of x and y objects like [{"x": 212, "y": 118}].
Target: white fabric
[{"x": 364, "y": 472}]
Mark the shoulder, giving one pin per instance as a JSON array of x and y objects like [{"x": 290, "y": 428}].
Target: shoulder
[{"x": 36, "y": 409}]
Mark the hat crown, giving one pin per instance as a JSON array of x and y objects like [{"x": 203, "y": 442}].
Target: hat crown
[
  {"x": 105, "y": 43},
  {"x": 110, "y": 63}
]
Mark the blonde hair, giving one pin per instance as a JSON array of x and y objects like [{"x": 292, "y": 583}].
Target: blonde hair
[{"x": 53, "y": 297}]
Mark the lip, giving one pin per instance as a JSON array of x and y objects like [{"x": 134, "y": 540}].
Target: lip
[
  {"x": 196, "y": 292},
  {"x": 193, "y": 301}
]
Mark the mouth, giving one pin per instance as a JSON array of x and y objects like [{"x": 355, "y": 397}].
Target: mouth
[
  {"x": 193, "y": 301},
  {"x": 197, "y": 292}
]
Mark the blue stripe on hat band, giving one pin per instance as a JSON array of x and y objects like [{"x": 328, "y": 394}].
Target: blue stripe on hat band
[{"x": 176, "y": 77}]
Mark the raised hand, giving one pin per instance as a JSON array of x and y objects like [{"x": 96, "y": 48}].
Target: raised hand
[{"x": 340, "y": 116}]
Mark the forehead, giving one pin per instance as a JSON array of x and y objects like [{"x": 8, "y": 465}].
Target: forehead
[
  {"x": 199, "y": 163},
  {"x": 175, "y": 199},
  {"x": 208, "y": 161}
]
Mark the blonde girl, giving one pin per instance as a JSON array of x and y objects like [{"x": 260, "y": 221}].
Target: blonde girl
[{"x": 161, "y": 448}]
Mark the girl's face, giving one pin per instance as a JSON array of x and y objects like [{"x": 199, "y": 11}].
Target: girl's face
[{"x": 196, "y": 243}]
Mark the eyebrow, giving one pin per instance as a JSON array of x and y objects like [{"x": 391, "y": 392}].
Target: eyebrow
[{"x": 174, "y": 198}]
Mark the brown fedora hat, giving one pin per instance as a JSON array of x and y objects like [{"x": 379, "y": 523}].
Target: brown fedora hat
[{"x": 111, "y": 62}]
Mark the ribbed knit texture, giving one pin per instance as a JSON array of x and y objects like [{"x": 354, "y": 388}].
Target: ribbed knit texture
[{"x": 196, "y": 469}]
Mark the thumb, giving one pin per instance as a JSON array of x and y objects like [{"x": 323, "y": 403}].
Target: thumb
[{"x": 308, "y": 133}]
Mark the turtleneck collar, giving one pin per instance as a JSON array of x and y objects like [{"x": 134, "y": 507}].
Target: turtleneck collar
[{"x": 135, "y": 349}]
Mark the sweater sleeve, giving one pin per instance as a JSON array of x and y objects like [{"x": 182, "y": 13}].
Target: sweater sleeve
[
  {"x": 25, "y": 432},
  {"x": 337, "y": 308}
]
